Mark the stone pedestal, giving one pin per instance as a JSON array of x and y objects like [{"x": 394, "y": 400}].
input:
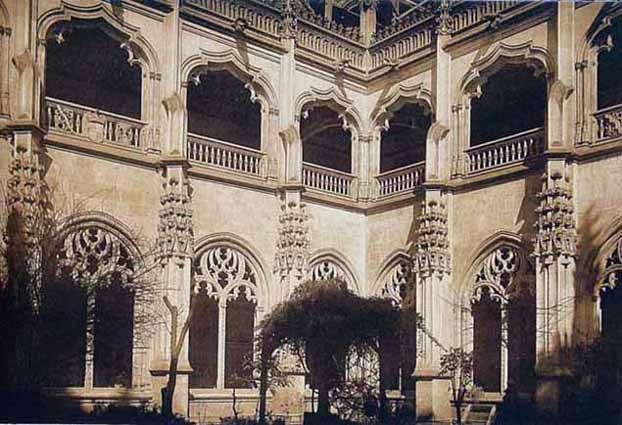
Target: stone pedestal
[
  {"x": 550, "y": 393},
  {"x": 433, "y": 396}
]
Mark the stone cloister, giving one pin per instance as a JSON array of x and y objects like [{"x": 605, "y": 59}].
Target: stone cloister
[{"x": 465, "y": 152}]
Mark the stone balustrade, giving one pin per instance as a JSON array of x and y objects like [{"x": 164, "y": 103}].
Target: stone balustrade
[
  {"x": 259, "y": 20},
  {"x": 99, "y": 126},
  {"x": 225, "y": 155},
  {"x": 328, "y": 180},
  {"x": 474, "y": 13},
  {"x": 505, "y": 151},
  {"x": 608, "y": 123},
  {"x": 400, "y": 180},
  {"x": 412, "y": 42}
]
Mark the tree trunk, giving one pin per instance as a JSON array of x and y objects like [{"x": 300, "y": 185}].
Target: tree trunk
[
  {"x": 323, "y": 405},
  {"x": 169, "y": 391},
  {"x": 458, "y": 406},
  {"x": 263, "y": 386}
]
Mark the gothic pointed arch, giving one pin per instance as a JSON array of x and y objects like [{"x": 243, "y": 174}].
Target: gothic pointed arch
[
  {"x": 394, "y": 277},
  {"x": 334, "y": 99},
  {"x": 607, "y": 294},
  {"x": 139, "y": 49},
  {"x": 598, "y": 67},
  {"x": 328, "y": 264},
  {"x": 92, "y": 306},
  {"x": 229, "y": 303},
  {"x": 230, "y": 60},
  {"x": 500, "y": 54},
  {"x": 497, "y": 314},
  {"x": 401, "y": 121}
]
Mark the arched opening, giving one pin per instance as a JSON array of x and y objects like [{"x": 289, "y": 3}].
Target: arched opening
[
  {"x": 86, "y": 65},
  {"x": 203, "y": 337},
  {"x": 224, "y": 320},
  {"x": 113, "y": 336},
  {"x": 404, "y": 143},
  {"x": 221, "y": 107},
  {"x": 611, "y": 307},
  {"x": 487, "y": 343},
  {"x": 610, "y": 69},
  {"x": 88, "y": 313},
  {"x": 64, "y": 315},
  {"x": 502, "y": 323},
  {"x": 239, "y": 342},
  {"x": 325, "y": 142},
  {"x": 513, "y": 101}
]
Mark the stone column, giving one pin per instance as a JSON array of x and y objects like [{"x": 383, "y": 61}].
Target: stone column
[
  {"x": 555, "y": 253},
  {"x": 175, "y": 249},
  {"x": 175, "y": 244},
  {"x": 431, "y": 257},
  {"x": 368, "y": 20},
  {"x": 23, "y": 130},
  {"x": 365, "y": 173},
  {"x": 432, "y": 279},
  {"x": 555, "y": 244}
]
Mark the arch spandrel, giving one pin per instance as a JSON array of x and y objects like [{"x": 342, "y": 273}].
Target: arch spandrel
[{"x": 230, "y": 60}]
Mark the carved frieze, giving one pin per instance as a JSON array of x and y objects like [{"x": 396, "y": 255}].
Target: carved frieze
[
  {"x": 293, "y": 243},
  {"x": 175, "y": 231},
  {"x": 432, "y": 247},
  {"x": 557, "y": 236}
]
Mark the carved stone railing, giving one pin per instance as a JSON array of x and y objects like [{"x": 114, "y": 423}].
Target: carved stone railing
[
  {"x": 505, "y": 151},
  {"x": 410, "y": 41},
  {"x": 336, "y": 48},
  {"x": 351, "y": 33},
  {"x": 608, "y": 123},
  {"x": 257, "y": 19},
  {"x": 329, "y": 181},
  {"x": 400, "y": 180},
  {"x": 469, "y": 14},
  {"x": 89, "y": 122},
  {"x": 226, "y": 155}
]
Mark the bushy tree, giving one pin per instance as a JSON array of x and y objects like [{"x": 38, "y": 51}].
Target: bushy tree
[{"x": 322, "y": 322}]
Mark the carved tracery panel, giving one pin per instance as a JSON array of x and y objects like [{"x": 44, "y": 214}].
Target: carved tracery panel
[
  {"x": 397, "y": 282},
  {"x": 497, "y": 273},
  {"x": 613, "y": 269},
  {"x": 95, "y": 256},
  {"x": 223, "y": 272},
  {"x": 222, "y": 328},
  {"x": 327, "y": 270},
  {"x": 94, "y": 298},
  {"x": 498, "y": 322}
]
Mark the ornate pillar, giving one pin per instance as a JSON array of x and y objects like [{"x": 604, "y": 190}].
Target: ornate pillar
[
  {"x": 292, "y": 248},
  {"x": 175, "y": 250},
  {"x": 555, "y": 253},
  {"x": 365, "y": 173},
  {"x": 175, "y": 240},
  {"x": 555, "y": 243},
  {"x": 432, "y": 255},
  {"x": 432, "y": 279}
]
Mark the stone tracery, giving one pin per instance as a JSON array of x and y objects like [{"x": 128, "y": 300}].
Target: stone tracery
[{"x": 224, "y": 272}]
